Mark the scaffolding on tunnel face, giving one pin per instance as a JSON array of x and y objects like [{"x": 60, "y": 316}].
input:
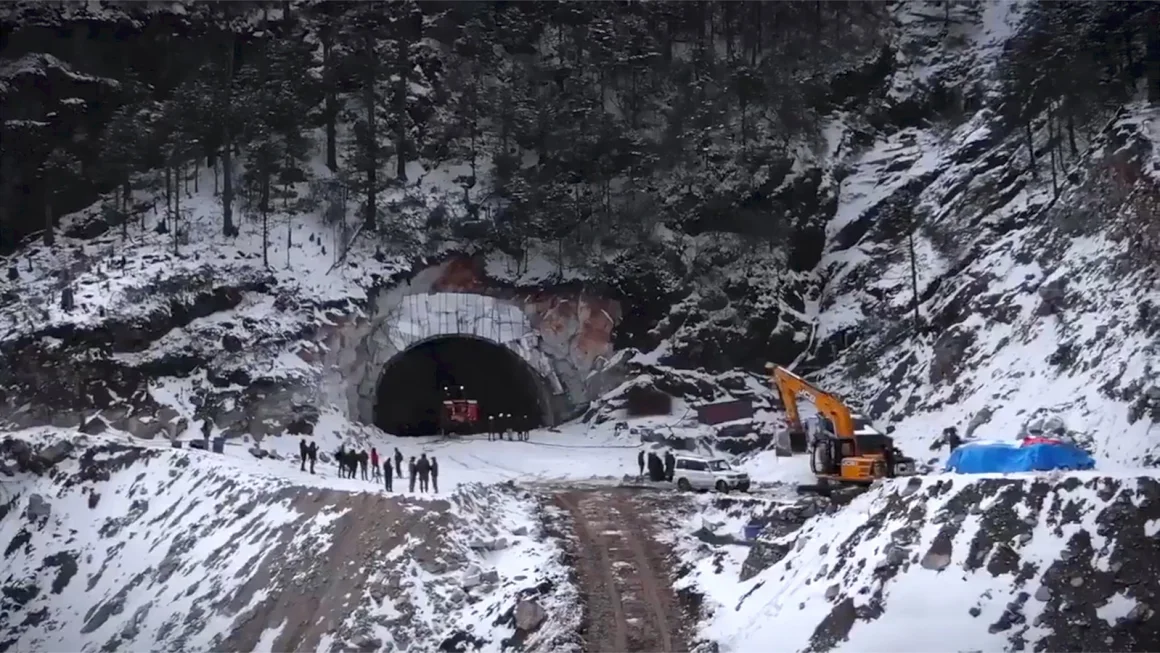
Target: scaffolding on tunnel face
[{"x": 469, "y": 314}]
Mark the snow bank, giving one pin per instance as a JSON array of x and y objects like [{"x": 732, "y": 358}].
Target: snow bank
[
  {"x": 120, "y": 546},
  {"x": 943, "y": 563}
]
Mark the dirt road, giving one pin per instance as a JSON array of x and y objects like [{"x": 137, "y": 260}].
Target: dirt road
[{"x": 624, "y": 575}]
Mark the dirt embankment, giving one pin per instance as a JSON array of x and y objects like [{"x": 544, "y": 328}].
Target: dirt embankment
[{"x": 318, "y": 589}]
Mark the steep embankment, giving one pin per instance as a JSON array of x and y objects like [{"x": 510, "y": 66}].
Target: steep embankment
[
  {"x": 1033, "y": 268},
  {"x": 952, "y": 563},
  {"x": 118, "y": 546}
]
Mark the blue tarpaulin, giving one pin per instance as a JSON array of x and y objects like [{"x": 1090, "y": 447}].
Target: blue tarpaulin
[{"x": 987, "y": 458}]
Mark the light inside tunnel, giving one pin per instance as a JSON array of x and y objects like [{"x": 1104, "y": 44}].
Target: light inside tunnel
[{"x": 415, "y": 383}]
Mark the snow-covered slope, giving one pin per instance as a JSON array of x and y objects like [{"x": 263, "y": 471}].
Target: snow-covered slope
[
  {"x": 1037, "y": 309},
  {"x": 947, "y": 563},
  {"x": 1034, "y": 278},
  {"x": 114, "y": 545}
]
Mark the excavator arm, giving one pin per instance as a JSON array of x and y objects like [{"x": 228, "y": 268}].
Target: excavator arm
[{"x": 790, "y": 385}]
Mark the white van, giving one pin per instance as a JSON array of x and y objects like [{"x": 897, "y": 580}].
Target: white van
[{"x": 697, "y": 473}]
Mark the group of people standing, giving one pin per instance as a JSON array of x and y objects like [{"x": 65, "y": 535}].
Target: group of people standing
[
  {"x": 499, "y": 427},
  {"x": 354, "y": 463},
  {"x": 658, "y": 469}
]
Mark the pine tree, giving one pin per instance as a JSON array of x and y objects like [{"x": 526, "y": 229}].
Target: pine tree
[
  {"x": 60, "y": 169},
  {"x": 278, "y": 93}
]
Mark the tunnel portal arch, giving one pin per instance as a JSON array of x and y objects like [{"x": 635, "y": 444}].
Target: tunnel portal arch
[
  {"x": 413, "y": 321},
  {"x": 411, "y": 384}
]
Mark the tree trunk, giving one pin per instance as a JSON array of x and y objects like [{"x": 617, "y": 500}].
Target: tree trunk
[
  {"x": 49, "y": 235},
  {"x": 125, "y": 209},
  {"x": 1152, "y": 57},
  {"x": 176, "y": 212},
  {"x": 168, "y": 194},
  {"x": 371, "y": 216},
  {"x": 228, "y": 228},
  {"x": 914, "y": 278},
  {"x": 1071, "y": 135},
  {"x": 1051, "y": 145},
  {"x": 265, "y": 216},
  {"x": 401, "y": 77},
  {"x": 289, "y": 239},
  {"x": 331, "y": 104},
  {"x": 1031, "y": 146},
  {"x": 196, "y": 172}
]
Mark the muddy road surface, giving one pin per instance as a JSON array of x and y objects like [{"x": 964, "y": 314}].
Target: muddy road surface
[{"x": 624, "y": 574}]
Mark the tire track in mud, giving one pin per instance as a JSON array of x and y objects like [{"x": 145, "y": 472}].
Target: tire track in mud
[{"x": 629, "y": 602}]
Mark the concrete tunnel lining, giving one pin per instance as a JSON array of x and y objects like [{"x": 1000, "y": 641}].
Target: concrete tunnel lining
[
  {"x": 560, "y": 337},
  {"x": 409, "y": 391}
]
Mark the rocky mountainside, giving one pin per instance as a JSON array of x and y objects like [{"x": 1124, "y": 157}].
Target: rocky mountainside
[
  {"x": 943, "y": 211},
  {"x": 960, "y": 563},
  {"x": 938, "y": 229}
]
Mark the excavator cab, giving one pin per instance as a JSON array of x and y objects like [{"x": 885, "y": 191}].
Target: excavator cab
[{"x": 852, "y": 451}]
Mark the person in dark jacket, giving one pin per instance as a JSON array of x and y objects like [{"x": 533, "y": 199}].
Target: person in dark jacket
[
  {"x": 434, "y": 474},
  {"x": 670, "y": 463},
  {"x": 362, "y": 464},
  {"x": 423, "y": 468},
  {"x": 340, "y": 460},
  {"x": 398, "y": 463},
  {"x": 312, "y": 452},
  {"x": 388, "y": 475},
  {"x": 411, "y": 472},
  {"x": 640, "y": 462},
  {"x": 951, "y": 437},
  {"x": 303, "y": 454},
  {"x": 656, "y": 468}
]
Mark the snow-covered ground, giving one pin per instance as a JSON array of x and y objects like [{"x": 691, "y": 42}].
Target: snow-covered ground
[
  {"x": 937, "y": 564},
  {"x": 132, "y": 546}
]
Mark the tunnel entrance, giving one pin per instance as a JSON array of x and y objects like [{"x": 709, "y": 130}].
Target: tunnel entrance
[{"x": 415, "y": 382}]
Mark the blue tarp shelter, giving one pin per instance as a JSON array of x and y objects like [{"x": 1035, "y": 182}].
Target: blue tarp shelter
[{"x": 1004, "y": 458}]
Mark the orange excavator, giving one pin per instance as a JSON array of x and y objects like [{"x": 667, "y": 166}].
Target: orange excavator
[{"x": 850, "y": 450}]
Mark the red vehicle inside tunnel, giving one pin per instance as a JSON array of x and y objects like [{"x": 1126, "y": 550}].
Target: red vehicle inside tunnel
[
  {"x": 449, "y": 384},
  {"x": 459, "y": 417}
]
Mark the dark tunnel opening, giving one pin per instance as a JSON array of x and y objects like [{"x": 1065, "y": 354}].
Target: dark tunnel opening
[{"x": 415, "y": 383}]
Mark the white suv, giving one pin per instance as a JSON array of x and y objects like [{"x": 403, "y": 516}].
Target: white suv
[{"x": 697, "y": 473}]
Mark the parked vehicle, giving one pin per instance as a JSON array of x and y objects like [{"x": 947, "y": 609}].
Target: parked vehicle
[{"x": 698, "y": 473}]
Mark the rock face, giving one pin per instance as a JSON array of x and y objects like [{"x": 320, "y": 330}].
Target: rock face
[
  {"x": 1055, "y": 563},
  {"x": 1035, "y": 268}
]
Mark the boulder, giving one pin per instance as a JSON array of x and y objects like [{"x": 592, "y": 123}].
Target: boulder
[
  {"x": 1054, "y": 296},
  {"x": 56, "y": 452},
  {"x": 529, "y": 615},
  {"x": 231, "y": 343},
  {"x": 473, "y": 577},
  {"x": 935, "y": 561},
  {"x": 95, "y": 426},
  {"x": 38, "y": 510},
  {"x": 145, "y": 427}
]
